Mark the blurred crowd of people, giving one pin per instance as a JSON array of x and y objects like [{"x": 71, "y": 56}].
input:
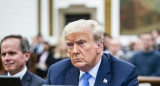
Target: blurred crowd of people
[
  {"x": 43, "y": 55},
  {"x": 144, "y": 53}
]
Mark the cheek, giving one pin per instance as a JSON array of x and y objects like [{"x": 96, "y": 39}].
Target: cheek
[
  {"x": 2, "y": 60},
  {"x": 19, "y": 63},
  {"x": 71, "y": 56},
  {"x": 70, "y": 53},
  {"x": 20, "y": 60},
  {"x": 90, "y": 54}
]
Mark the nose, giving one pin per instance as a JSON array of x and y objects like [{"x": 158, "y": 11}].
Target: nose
[
  {"x": 75, "y": 49},
  {"x": 7, "y": 57}
]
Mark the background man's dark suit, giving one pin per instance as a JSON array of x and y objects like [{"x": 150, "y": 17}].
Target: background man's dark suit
[
  {"x": 30, "y": 79},
  {"x": 112, "y": 72}
]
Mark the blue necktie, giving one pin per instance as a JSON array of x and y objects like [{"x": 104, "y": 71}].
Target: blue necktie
[{"x": 86, "y": 77}]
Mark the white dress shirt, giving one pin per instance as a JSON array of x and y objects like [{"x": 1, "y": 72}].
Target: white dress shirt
[
  {"x": 43, "y": 57},
  {"x": 20, "y": 74},
  {"x": 93, "y": 72}
]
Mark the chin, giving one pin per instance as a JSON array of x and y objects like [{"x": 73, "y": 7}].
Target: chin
[
  {"x": 8, "y": 69},
  {"x": 79, "y": 65}
]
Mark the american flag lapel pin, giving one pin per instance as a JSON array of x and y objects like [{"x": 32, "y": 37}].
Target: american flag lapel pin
[{"x": 105, "y": 80}]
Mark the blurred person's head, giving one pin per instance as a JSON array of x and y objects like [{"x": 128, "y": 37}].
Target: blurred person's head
[
  {"x": 114, "y": 46},
  {"x": 155, "y": 34},
  {"x": 62, "y": 46},
  {"x": 147, "y": 41},
  {"x": 84, "y": 39},
  {"x": 46, "y": 46},
  {"x": 34, "y": 41},
  {"x": 40, "y": 38},
  {"x": 107, "y": 38},
  {"x": 61, "y": 50},
  {"x": 15, "y": 52},
  {"x": 138, "y": 45}
]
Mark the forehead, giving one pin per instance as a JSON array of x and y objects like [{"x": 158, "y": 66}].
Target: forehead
[
  {"x": 10, "y": 42},
  {"x": 146, "y": 36},
  {"x": 77, "y": 36}
]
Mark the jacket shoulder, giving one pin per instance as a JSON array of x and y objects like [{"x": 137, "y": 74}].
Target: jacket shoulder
[
  {"x": 119, "y": 62},
  {"x": 36, "y": 80},
  {"x": 63, "y": 64},
  {"x": 123, "y": 72},
  {"x": 36, "y": 77},
  {"x": 58, "y": 71},
  {"x": 121, "y": 67}
]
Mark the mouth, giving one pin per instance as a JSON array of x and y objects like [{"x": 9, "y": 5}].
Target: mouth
[
  {"x": 78, "y": 60},
  {"x": 8, "y": 64}
]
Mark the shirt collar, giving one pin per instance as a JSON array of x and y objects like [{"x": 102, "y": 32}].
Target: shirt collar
[
  {"x": 20, "y": 74},
  {"x": 93, "y": 71}
]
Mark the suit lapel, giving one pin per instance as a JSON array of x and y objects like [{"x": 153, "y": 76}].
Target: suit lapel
[
  {"x": 26, "y": 79},
  {"x": 103, "y": 75},
  {"x": 72, "y": 76}
]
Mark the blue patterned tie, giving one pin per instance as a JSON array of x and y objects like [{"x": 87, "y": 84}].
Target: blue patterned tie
[{"x": 86, "y": 77}]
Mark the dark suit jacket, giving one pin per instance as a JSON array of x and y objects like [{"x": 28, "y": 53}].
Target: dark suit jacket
[
  {"x": 30, "y": 79},
  {"x": 49, "y": 60},
  {"x": 115, "y": 71}
]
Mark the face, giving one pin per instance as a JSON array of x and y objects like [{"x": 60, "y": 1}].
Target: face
[
  {"x": 147, "y": 41},
  {"x": 114, "y": 46},
  {"x": 63, "y": 46},
  {"x": 84, "y": 51},
  {"x": 155, "y": 34},
  {"x": 138, "y": 45},
  {"x": 12, "y": 58},
  {"x": 46, "y": 46},
  {"x": 106, "y": 41}
]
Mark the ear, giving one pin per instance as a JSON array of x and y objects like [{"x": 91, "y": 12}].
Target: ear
[
  {"x": 27, "y": 55},
  {"x": 100, "y": 46}
]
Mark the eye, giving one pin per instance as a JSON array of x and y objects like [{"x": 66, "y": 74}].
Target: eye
[
  {"x": 69, "y": 45},
  {"x": 12, "y": 53},
  {"x": 81, "y": 43},
  {"x": 3, "y": 54}
]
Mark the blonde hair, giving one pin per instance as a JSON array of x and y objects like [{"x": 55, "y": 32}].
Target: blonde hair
[{"x": 79, "y": 25}]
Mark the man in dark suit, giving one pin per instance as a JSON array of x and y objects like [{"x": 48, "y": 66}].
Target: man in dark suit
[
  {"x": 15, "y": 52},
  {"x": 88, "y": 66}
]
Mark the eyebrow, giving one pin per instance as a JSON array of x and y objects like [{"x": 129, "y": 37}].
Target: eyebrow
[{"x": 79, "y": 39}]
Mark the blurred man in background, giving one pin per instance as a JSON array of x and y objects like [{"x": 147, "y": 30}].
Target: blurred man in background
[{"x": 148, "y": 60}]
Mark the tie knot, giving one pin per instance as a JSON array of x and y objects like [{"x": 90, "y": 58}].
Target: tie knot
[{"x": 87, "y": 75}]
